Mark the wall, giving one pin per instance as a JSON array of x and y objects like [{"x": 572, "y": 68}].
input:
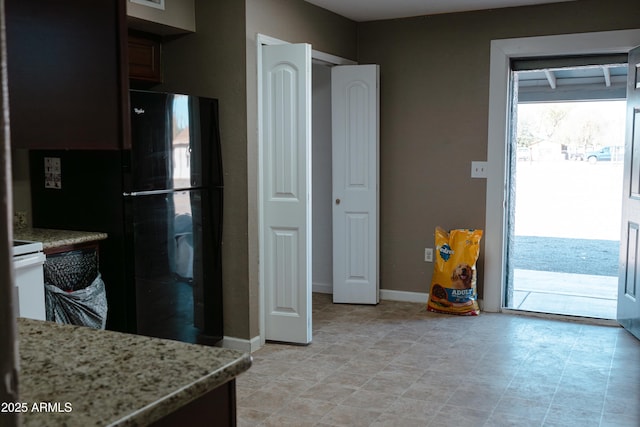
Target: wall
[
  {"x": 293, "y": 21},
  {"x": 434, "y": 111},
  {"x": 211, "y": 63},
  {"x": 177, "y": 16},
  {"x": 21, "y": 183}
]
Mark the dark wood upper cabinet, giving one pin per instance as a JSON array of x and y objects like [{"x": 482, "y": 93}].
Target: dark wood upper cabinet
[
  {"x": 68, "y": 87},
  {"x": 144, "y": 59}
]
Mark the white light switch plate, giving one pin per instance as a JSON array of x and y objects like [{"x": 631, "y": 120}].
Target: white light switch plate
[{"x": 478, "y": 169}]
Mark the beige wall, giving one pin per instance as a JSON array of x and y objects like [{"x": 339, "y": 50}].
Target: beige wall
[
  {"x": 297, "y": 21},
  {"x": 21, "y": 183},
  {"x": 434, "y": 112},
  {"x": 211, "y": 63},
  {"x": 176, "y": 16}
]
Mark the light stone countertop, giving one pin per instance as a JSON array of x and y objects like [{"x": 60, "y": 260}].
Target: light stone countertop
[
  {"x": 110, "y": 378},
  {"x": 56, "y": 238}
]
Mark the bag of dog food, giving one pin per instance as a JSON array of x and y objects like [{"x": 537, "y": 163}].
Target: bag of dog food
[{"x": 453, "y": 284}]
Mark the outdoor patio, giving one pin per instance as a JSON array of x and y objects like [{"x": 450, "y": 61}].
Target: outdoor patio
[
  {"x": 565, "y": 293},
  {"x": 567, "y": 230}
]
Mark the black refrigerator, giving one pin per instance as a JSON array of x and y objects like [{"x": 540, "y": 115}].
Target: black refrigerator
[{"x": 160, "y": 203}]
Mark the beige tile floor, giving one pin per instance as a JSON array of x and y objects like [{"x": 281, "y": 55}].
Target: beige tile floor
[{"x": 398, "y": 365}]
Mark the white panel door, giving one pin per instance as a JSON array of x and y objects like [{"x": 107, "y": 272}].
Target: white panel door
[
  {"x": 285, "y": 255},
  {"x": 629, "y": 281},
  {"x": 355, "y": 149}
]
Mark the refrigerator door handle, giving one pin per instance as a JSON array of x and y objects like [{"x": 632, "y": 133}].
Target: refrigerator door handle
[{"x": 152, "y": 192}]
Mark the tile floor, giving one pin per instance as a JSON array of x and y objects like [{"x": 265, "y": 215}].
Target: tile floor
[{"x": 398, "y": 365}]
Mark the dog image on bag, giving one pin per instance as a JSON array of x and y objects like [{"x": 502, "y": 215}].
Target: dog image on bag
[
  {"x": 453, "y": 284},
  {"x": 462, "y": 276}
]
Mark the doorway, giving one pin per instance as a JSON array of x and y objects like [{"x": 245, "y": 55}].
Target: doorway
[
  {"x": 345, "y": 181},
  {"x": 502, "y": 52},
  {"x": 321, "y": 189},
  {"x": 565, "y": 204},
  {"x": 285, "y": 179}
]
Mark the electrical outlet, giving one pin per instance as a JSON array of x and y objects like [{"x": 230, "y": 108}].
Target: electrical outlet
[
  {"x": 478, "y": 169},
  {"x": 428, "y": 255}
]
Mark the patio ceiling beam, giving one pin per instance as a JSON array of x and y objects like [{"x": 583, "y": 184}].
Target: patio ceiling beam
[{"x": 551, "y": 78}]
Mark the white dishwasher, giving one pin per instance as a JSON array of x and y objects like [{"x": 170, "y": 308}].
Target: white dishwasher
[{"x": 28, "y": 261}]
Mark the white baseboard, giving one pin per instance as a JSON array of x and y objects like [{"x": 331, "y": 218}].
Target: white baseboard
[
  {"x": 247, "y": 346},
  {"x": 322, "y": 288},
  {"x": 386, "y": 294},
  {"x": 404, "y": 296}
]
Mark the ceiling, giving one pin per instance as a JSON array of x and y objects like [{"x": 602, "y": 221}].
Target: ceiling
[
  {"x": 544, "y": 84},
  {"x": 372, "y": 10}
]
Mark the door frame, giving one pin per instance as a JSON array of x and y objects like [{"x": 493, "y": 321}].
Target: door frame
[
  {"x": 265, "y": 40},
  {"x": 498, "y": 134}
]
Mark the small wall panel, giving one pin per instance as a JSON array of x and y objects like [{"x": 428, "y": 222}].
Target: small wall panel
[
  {"x": 357, "y": 135},
  {"x": 284, "y": 259},
  {"x": 635, "y": 156},
  {"x": 283, "y": 131},
  {"x": 357, "y": 246}
]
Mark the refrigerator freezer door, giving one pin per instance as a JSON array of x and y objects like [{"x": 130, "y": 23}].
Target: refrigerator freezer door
[
  {"x": 172, "y": 249},
  {"x": 167, "y": 149}
]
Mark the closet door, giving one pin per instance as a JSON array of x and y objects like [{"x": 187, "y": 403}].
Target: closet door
[
  {"x": 285, "y": 251},
  {"x": 355, "y": 148}
]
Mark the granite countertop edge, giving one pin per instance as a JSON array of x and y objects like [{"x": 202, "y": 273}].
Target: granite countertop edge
[
  {"x": 188, "y": 393},
  {"x": 53, "y": 238}
]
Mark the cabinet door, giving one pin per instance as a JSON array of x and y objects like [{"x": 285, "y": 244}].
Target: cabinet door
[
  {"x": 65, "y": 73},
  {"x": 144, "y": 59}
]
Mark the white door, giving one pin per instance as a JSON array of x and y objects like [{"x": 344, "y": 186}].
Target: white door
[
  {"x": 285, "y": 250},
  {"x": 355, "y": 149},
  {"x": 629, "y": 282}
]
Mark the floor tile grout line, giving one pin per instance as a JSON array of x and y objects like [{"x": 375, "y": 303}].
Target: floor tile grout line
[
  {"x": 564, "y": 369},
  {"x": 606, "y": 389},
  {"x": 521, "y": 365}
]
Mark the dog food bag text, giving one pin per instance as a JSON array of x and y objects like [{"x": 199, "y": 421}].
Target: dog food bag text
[{"x": 453, "y": 284}]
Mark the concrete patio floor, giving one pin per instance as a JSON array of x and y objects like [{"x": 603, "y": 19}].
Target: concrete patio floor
[{"x": 565, "y": 293}]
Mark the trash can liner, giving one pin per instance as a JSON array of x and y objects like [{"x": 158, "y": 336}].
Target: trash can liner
[
  {"x": 71, "y": 270},
  {"x": 86, "y": 307}
]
